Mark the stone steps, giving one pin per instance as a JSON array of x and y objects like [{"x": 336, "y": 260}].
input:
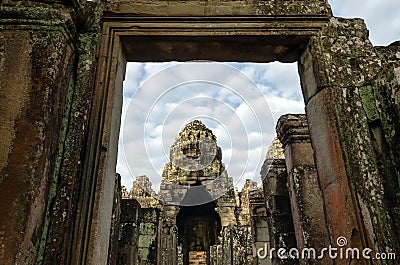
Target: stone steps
[{"x": 197, "y": 258}]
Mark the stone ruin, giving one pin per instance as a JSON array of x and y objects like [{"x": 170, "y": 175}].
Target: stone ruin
[
  {"x": 199, "y": 218},
  {"x": 62, "y": 65}
]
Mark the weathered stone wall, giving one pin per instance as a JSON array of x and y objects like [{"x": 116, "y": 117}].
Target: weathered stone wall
[
  {"x": 43, "y": 115},
  {"x": 129, "y": 232},
  {"x": 386, "y": 126},
  {"x": 149, "y": 219},
  {"x": 280, "y": 221},
  {"x": 226, "y": 209},
  {"x": 236, "y": 245},
  {"x": 148, "y": 236},
  {"x": 340, "y": 72},
  {"x": 115, "y": 223},
  {"x": 243, "y": 208}
]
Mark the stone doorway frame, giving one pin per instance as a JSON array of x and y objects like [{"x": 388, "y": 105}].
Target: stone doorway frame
[
  {"x": 160, "y": 31},
  {"x": 120, "y": 38}
]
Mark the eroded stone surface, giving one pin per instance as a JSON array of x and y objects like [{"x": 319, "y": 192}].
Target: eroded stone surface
[
  {"x": 278, "y": 207},
  {"x": 350, "y": 132},
  {"x": 305, "y": 194}
]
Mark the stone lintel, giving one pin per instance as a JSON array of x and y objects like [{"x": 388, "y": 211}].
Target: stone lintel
[
  {"x": 270, "y": 8},
  {"x": 37, "y": 17},
  {"x": 209, "y": 30}
]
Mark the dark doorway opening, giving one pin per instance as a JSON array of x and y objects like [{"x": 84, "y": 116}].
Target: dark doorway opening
[{"x": 198, "y": 229}]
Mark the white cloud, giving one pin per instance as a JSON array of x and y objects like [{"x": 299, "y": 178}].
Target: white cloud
[
  {"x": 280, "y": 106},
  {"x": 230, "y": 105},
  {"x": 133, "y": 76},
  {"x": 283, "y": 77}
]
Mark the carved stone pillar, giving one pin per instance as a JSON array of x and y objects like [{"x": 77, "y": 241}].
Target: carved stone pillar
[
  {"x": 281, "y": 230},
  {"x": 305, "y": 193},
  {"x": 168, "y": 236},
  {"x": 259, "y": 225},
  {"x": 129, "y": 232}
]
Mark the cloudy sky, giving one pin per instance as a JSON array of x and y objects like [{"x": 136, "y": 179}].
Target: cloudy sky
[{"x": 239, "y": 102}]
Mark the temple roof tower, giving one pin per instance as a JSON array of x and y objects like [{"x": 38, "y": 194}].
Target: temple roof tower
[
  {"x": 195, "y": 174},
  {"x": 195, "y": 158}
]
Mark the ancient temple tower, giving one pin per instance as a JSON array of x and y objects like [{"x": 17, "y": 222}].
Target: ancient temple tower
[
  {"x": 195, "y": 174},
  {"x": 200, "y": 213}
]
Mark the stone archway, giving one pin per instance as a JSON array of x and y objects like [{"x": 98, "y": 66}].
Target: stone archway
[{"x": 156, "y": 31}]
